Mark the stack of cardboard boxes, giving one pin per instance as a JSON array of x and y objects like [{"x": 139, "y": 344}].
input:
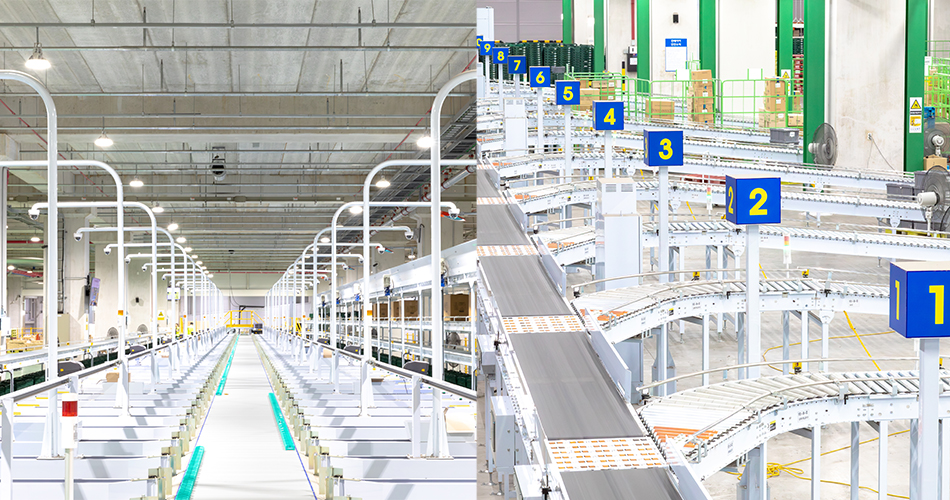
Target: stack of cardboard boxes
[
  {"x": 597, "y": 90},
  {"x": 456, "y": 306},
  {"x": 702, "y": 97},
  {"x": 778, "y": 104},
  {"x": 660, "y": 110}
]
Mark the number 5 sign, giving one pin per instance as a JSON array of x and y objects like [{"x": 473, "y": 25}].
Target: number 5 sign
[
  {"x": 753, "y": 200},
  {"x": 923, "y": 285},
  {"x": 568, "y": 93}
]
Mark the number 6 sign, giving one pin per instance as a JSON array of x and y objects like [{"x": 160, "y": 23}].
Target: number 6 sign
[{"x": 753, "y": 200}]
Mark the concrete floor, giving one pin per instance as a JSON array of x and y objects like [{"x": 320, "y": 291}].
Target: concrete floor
[
  {"x": 877, "y": 336},
  {"x": 244, "y": 455}
]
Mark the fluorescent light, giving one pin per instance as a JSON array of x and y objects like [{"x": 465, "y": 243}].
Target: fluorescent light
[
  {"x": 136, "y": 183},
  {"x": 103, "y": 141},
  {"x": 424, "y": 142},
  {"x": 199, "y": 262},
  {"x": 325, "y": 239},
  {"x": 173, "y": 227},
  {"x": 356, "y": 209},
  {"x": 37, "y": 61},
  {"x": 35, "y": 239},
  {"x": 187, "y": 249},
  {"x": 211, "y": 275},
  {"x": 158, "y": 209},
  {"x": 382, "y": 184},
  {"x": 11, "y": 267},
  {"x": 180, "y": 239}
]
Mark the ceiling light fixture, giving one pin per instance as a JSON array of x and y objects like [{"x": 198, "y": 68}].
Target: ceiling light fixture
[
  {"x": 325, "y": 239},
  {"x": 173, "y": 227},
  {"x": 356, "y": 209},
  {"x": 180, "y": 239},
  {"x": 136, "y": 183},
  {"x": 36, "y": 61},
  {"x": 424, "y": 142},
  {"x": 104, "y": 141},
  {"x": 199, "y": 262},
  {"x": 10, "y": 268},
  {"x": 158, "y": 209},
  {"x": 187, "y": 249},
  {"x": 35, "y": 239},
  {"x": 211, "y": 275},
  {"x": 382, "y": 184}
]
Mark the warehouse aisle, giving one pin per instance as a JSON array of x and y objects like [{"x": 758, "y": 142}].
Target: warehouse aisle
[{"x": 244, "y": 455}]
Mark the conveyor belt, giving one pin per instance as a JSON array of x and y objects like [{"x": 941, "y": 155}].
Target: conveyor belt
[
  {"x": 522, "y": 287},
  {"x": 629, "y": 484},
  {"x": 497, "y": 227},
  {"x": 574, "y": 396}
]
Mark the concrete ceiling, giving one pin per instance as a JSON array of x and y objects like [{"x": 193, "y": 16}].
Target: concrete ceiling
[{"x": 303, "y": 97}]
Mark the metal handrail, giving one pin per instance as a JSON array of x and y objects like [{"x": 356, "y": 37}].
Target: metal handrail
[
  {"x": 52, "y": 384},
  {"x": 777, "y": 362},
  {"x": 441, "y": 385}
]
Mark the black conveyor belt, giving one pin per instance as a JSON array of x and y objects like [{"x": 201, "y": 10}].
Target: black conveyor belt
[
  {"x": 574, "y": 396},
  {"x": 571, "y": 389},
  {"x": 628, "y": 484}
]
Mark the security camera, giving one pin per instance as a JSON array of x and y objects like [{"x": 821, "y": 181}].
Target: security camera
[
  {"x": 34, "y": 214},
  {"x": 381, "y": 249},
  {"x": 454, "y": 212},
  {"x": 107, "y": 250},
  {"x": 409, "y": 235},
  {"x": 163, "y": 278},
  {"x": 144, "y": 267},
  {"x": 78, "y": 236},
  {"x": 128, "y": 260}
]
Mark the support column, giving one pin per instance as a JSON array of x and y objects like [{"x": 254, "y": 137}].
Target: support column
[
  {"x": 915, "y": 48},
  {"x": 855, "y": 460},
  {"x": 705, "y": 349},
  {"x": 600, "y": 36},
  {"x": 785, "y": 341},
  {"x": 945, "y": 458},
  {"x": 914, "y": 460},
  {"x": 643, "y": 42},
  {"x": 708, "y": 39},
  {"x": 784, "y": 42},
  {"x": 805, "y": 340},
  {"x": 814, "y": 105},
  {"x": 929, "y": 434},
  {"x": 816, "y": 462},
  {"x": 567, "y": 21},
  {"x": 882, "y": 460}
]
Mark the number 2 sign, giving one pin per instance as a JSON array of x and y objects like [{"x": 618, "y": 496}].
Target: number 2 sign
[{"x": 753, "y": 200}]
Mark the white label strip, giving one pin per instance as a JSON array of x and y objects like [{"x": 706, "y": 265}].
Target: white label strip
[
  {"x": 600, "y": 454},
  {"x": 493, "y": 200},
  {"x": 542, "y": 324},
  {"x": 505, "y": 250}
]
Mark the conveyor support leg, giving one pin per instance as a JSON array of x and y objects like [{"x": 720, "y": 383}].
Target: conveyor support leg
[
  {"x": 855, "y": 460},
  {"x": 816, "y": 462}
]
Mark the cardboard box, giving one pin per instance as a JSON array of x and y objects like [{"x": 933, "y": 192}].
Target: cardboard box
[
  {"x": 114, "y": 377},
  {"x": 775, "y": 104},
  {"x": 795, "y": 101},
  {"x": 796, "y": 120},
  {"x": 381, "y": 311},
  {"x": 411, "y": 308},
  {"x": 934, "y": 161},
  {"x": 660, "y": 110},
  {"x": 700, "y": 89},
  {"x": 775, "y": 86},
  {"x": 702, "y": 118},
  {"x": 770, "y": 120},
  {"x": 456, "y": 305},
  {"x": 701, "y": 105},
  {"x": 588, "y": 96},
  {"x": 700, "y": 74}
]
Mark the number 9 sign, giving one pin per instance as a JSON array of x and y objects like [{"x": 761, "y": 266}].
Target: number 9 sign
[
  {"x": 484, "y": 47},
  {"x": 923, "y": 285},
  {"x": 539, "y": 76},
  {"x": 753, "y": 200},
  {"x": 568, "y": 93}
]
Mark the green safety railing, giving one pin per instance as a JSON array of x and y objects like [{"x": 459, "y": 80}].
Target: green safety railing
[
  {"x": 757, "y": 103},
  {"x": 937, "y": 87}
]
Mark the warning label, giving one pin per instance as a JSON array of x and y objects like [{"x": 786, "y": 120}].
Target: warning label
[
  {"x": 915, "y": 115},
  {"x": 786, "y": 74},
  {"x": 161, "y": 315}
]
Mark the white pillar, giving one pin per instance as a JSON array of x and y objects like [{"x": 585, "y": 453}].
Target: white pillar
[
  {"x": 882, "y": 460},
  {"x": 752, "y": 320},
  {"x": 929, "y": 435},
  {"x": 816, "y": 462}
]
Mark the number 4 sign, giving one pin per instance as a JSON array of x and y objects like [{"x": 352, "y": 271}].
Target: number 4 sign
[
  {"x": 753, "y": 200},
  {"x": 608, "y": 115}
]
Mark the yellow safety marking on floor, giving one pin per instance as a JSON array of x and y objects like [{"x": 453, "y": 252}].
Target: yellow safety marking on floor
[
  {"x": 609, "y": 453},
  {"x": 542, "y": 324},
  {"x": 490, "y": 200},
  {"x": 505, "y": 250}
]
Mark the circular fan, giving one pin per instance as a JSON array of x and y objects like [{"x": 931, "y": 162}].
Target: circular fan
[
  {"x": 937, "y": 181},
  {"x": 824, "y": 145},
  {"x": 937, "y": 139}
]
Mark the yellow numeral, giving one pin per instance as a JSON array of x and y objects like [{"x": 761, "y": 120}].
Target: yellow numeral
[
  {"x": 540, "y": 78},
  {"x": 609, "y": 118},
  {"x": 757, "y": 208},
  {"x": 732, "y": 200},
  {"x": 667, "y": 152},
  {"x": 897, "y": 299},
  {"x": 568, "y": 94},
  {"x": 501, "y": 56},
  {"x": 517, "y": 65},
  {"x": 937, "y": 290}
]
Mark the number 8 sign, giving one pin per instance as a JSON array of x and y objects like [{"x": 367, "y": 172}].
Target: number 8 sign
[
  {"x": 539, "y": 76},
  {"x": 499, "y": 55},
  {"x": 753, "y": 200}
]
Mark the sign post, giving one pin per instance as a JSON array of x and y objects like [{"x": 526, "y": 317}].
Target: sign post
[
  {"x": 484, "y": 49},
  {"x": 608, "y": 116},
  {"x": 751, "y": 201},
  {"x": 567, "y": 93},
  {"x": 517, "y": 66},
  {"x": 923, "y": 285},
  {"x": 540, "y": 78},
  {"x": 662, "y": 148}
]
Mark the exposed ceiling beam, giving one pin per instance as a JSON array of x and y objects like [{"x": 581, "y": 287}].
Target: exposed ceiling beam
[
  {"x": 235, "y": 25},
  {"x": 247, "y": 48}
]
